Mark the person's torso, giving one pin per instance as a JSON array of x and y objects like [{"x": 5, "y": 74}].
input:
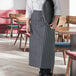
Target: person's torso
[
  {"x": 47, "y": 8},
  {"x": 37, "y": 4}
]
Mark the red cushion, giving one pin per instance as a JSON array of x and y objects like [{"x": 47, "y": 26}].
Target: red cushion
[
  {"x": 28, "y": 34},
  {"x": 22, "y": 30},
  {"x": 72, "y": 54}
]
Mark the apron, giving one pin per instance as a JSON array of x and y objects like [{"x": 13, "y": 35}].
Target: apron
[{"x": 42, "y": 42}]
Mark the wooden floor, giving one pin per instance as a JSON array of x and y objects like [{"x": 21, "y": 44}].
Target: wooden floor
[{"x": 15, "y": 62}]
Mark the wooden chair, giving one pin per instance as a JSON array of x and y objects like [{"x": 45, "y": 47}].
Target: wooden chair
[
  {"x": 60, "y": 45},
  {"x": 72, "y": 56},
  {"x": 71, "y": 53},
  {"x": 68, "y": 46},
  {"x": 20, "y": 19},
  {"x": 62, "y": 23},
  {"x": 20, "y": 32},
  {"x": 71, "y": 19},
  {"x": 11, "y": 25}
]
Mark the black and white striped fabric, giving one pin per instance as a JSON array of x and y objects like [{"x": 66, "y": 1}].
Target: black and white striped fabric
[{"x": 42, "y": 42}]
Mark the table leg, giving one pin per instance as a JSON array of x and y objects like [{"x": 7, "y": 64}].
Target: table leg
[{"x": 11, "y": 31}]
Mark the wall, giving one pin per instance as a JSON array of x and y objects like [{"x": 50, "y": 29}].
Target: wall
[
  {"x": 12, "y": 4},
  {"x": 72, "y": 7},
  {"x": 72, "y": 12},
  {"x": 21, "y": 5},
  {"x": 64, "y": 7}
]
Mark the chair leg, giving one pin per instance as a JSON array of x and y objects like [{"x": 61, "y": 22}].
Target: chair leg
[
  {"x": 22, "y": 37},
  {"x": 20, "y": 41},
  {"x": 7, "y": 33},
  {"x": 16, "y": 39},
  {"x": 68, "y": 66},
  {"x": 25, "y": 43},
  {"x": 64, "y": 55}
]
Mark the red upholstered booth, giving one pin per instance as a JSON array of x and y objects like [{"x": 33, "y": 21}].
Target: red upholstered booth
[{"x": 4, "y": 22}]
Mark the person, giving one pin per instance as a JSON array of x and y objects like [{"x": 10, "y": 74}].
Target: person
[{"x": 42, "y": 39}]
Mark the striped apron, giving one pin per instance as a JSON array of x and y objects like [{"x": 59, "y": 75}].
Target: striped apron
[{"x": 42, "y": 42}]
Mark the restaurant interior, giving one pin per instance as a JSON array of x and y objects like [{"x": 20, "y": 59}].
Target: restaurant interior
[{"x": 14, "y": 41}]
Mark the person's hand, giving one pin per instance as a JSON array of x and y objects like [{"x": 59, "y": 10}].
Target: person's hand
[
  {"x": 27, "y": 29},
  {"x": 27, "y": 26},
  {"x": 53, "y": 24}
]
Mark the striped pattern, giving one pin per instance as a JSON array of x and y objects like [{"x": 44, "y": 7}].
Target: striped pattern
[{"x": 41, "y": 42}]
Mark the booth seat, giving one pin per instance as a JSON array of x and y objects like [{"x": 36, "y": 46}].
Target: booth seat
[
  {"x": 62, "y": 45},
  {"x": 5, "y": 23}
]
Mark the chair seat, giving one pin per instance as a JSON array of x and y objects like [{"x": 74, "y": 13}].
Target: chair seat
[
  {"x": 62, "y": 45},
  {"x": 22, "y": 31},
  {"x": 28, "y": 34},
  {"x": 72, "y": 54},
  {"x": 14, "y": 26}
]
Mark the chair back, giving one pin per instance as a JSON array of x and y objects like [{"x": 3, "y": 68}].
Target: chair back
[
  {"x": 61, "y": 29},
  {"x": 12, "y": 16},
  {"x": 20, "y": 18},
  {"x": 62, "y": 33},
  {"x": 19, "y": 15},
  {"x": 71, "y": 19},
  {"x": 62, "y": 21}
]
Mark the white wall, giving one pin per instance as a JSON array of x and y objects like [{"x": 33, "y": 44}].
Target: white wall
[
  {"x": 72, "y": 12},
  {"x": 64, "y": 7},
  {"x": 21, "y": 5},
  {"x": 72, "y": 7},
  {"x": 12, "y": 4}
]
